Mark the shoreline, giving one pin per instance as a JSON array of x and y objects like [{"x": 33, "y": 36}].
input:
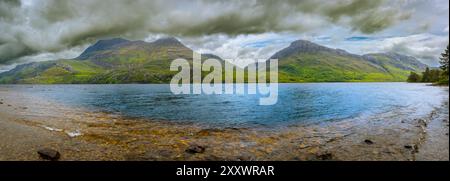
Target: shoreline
[
  {"x": 27, "y": 84},
  {"x": 28, "y": 124}
]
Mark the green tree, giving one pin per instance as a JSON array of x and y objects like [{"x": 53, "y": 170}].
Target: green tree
[
  {"x": 444, "y": 67},
  {"x": 413, "y": 77},
  {"x": 434, "y": 75},
  {"x": 444, "y": 61},
  {"x": 426, "y": 75}
]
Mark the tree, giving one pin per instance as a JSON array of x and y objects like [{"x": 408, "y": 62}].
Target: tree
[
  {"x": 413, "y": 77},
  {"x": 444, "y": 67},
  {"x": 426, "y": 75},
  {"x": 444, "y": 61},
  {"x": 434, "y": 75}
]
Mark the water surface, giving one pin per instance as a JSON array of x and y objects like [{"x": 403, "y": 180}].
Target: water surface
[{"x": 297, "y": 103}]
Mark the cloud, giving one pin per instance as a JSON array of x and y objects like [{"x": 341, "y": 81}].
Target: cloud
[
  {"x": 426, "y": 47},
  {"x": 31, "y": 27}
]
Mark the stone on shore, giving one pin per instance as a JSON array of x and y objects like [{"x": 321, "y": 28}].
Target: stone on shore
[
  {"x": 49, "y": 154},
  {"x": 325, "y": 156},
  {"x": 195, "y": 149},
  {"x": 369, "y": 142}
]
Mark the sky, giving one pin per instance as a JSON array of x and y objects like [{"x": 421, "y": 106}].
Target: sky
[{"x": 40, "y": 30}]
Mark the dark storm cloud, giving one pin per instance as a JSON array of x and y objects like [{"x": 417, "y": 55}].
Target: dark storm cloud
[{"x": 33, "y": 26}]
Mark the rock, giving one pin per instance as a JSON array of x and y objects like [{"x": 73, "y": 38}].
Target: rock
[
  {"x": 1, "y": 102},
  {"x": 245, "y": 157},
  {"x": 208, "y": 132},
  {"x": 165, "y": 153},
  {"x": 195, "y": 149},
  {"x": 423, "y": 122},
  {"x": 369, "y": 142},
  {"x": 49, "y": 154},
  {"x": 213, "y": 158},
  {"x": 414, "y": 147},
  {"x": 324, "y": 156}
]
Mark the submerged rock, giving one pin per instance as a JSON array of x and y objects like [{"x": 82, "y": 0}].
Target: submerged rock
[
  {"x": 49, "y": 154},
  {"x": 195, "y": 149}
]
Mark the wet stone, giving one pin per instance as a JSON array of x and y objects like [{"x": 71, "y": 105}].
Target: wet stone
[{"x": 423, "y": 122}]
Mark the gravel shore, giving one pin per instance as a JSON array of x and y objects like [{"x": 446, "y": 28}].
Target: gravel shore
[{"x": 28, "y": 124}]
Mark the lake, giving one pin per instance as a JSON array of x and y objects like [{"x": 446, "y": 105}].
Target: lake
[{"x": 297, "y": 103}]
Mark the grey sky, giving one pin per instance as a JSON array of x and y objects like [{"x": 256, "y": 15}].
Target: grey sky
[{"x": 38, "y": 30}]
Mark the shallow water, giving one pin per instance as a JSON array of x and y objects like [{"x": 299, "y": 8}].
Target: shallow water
[{"x": 297, "y": 103}]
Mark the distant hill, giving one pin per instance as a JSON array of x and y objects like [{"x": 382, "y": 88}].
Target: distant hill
[
  {"x": 304, "y": 61},
  {"x": 122, "y": 61}
]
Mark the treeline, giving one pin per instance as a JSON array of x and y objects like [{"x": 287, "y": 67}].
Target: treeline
[
  {"x": 433, "y": 75},
  {"x": 437, "y": 76}
]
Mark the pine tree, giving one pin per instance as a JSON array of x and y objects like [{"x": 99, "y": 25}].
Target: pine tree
[
  {"x": 444, "y": 61},
  {"x": 444, "y": 66}
]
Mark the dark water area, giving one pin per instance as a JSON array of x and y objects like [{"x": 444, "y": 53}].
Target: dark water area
[{"x": 297, "y": 103}]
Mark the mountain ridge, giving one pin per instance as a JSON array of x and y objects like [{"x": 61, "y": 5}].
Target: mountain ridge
[{"x": 119, "y": 60}]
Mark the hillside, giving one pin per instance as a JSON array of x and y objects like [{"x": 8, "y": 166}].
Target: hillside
[
  {"x": 122, "y": 61},
  {"x": 107, "y": 61},
  {"x": 304, "y": 61}
]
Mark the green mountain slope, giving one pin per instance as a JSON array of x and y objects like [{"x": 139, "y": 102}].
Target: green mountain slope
[
  {"x": 107, "y": 61},
  {"x": 304, "y": 61},
  {"x": 122, "y": 61}
]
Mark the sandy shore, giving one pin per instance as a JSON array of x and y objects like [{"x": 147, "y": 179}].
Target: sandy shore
[{"x": 28, "y": 124}]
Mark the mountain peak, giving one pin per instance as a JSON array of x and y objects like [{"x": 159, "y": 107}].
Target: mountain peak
[
  {"x": 304, "y": 46},
  {"x": 102, "y": 45},
  {"x": 308, "y": 46},
  {"x": 303, "y": 43},
  {"x": 168, "y": 41},
  {"x": 113, "y": 40}
]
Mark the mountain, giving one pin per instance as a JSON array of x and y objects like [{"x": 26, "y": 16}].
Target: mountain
[
  {"x": 100, "y": 46},
  {"x": 107, "y": 61},
  {"x": 122, "y": 61},
  {"x": 304, "y": 61}
]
